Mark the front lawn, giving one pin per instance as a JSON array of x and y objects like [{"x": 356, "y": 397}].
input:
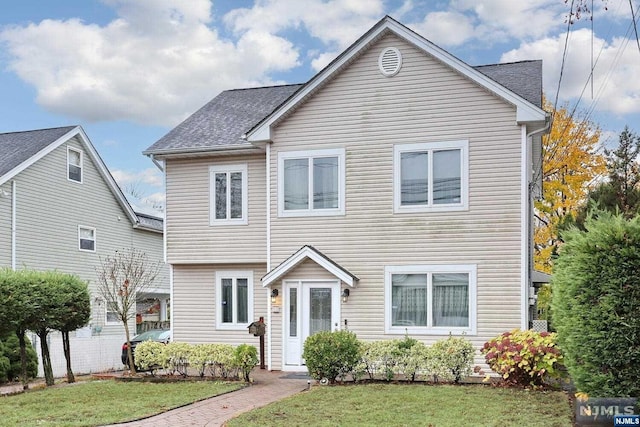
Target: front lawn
[
  {"x": 414, "y": 405},
  {"x": 94, "y": 403}
]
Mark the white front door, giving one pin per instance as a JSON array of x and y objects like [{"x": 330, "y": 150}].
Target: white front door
[{"x": 310, "y": 307}]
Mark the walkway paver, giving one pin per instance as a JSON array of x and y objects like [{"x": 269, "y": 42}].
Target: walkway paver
[{"x": 267, "y": 387}]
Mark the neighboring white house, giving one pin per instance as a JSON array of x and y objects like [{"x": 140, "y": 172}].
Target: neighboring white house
[
  {"x": 390, "y": 194},
  {"x": 61, "y": 209}
]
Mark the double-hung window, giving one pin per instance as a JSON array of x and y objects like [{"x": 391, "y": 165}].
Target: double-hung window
[
  {"x": 430, "y": 299},
  {"x": 74, "y": 164},
  {"x": 234, "y": 296},
  {"x": 431, "y": 176},
  {"x": 86, "y": 238},
  {"x": 228, "y": 198},
  {"x": 311, "y": 183}
]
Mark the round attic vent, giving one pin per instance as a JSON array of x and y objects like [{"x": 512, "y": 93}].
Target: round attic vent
[{"x": 390, "y": 61}]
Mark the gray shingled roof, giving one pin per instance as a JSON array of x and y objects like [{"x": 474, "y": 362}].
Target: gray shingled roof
[
  {"x": 149, "y": 221},
  {"x": 522, "y": 78},
  {"x": 18, "y": 147},
  {"x": 224, "y": 119}
]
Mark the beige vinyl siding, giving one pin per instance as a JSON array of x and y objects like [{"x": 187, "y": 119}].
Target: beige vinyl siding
[
  {"x": 190, "y": 237},
  {"x": 5, "y": 225},
  {"x": 366, "y": 113},
  {"x": 194, "y": 304}
]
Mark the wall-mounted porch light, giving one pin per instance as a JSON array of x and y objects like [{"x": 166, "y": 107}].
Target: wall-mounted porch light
[
  {"x": 345, "y": 295},
  {"x": 274, "y": 295}
]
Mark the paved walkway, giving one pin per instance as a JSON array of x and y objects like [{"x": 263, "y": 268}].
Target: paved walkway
[{"x": 267, "y": 387}]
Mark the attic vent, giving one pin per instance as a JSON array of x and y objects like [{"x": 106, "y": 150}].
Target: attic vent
[{"x": 390, "y": 61}]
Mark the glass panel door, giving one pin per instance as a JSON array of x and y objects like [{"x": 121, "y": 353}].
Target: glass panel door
[{"x": 319, "y": 310}]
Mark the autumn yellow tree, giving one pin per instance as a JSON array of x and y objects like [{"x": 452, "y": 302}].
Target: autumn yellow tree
[{"x": 572, "y": 166}]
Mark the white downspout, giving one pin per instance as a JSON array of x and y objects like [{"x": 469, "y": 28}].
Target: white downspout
[
  {"x": 527, "y": 222},
  {"x": 14, "y": 199},
  {"x": 268, "y": 290}
]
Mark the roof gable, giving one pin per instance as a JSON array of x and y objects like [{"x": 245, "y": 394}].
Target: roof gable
[
  {"x": 304, "y": 253},
  {"x": 526, "y": 110},
  {"x": 19, "y": 150}
]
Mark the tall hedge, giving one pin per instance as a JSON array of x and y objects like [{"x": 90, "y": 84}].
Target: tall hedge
[{"x": 596, "y": 305}]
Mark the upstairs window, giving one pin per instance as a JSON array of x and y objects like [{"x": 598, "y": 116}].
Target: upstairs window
[
  {"x": 431, "y": 176},
  {"x": 311, "y": 183},
  {"x": 228, "y": 194},
  {"x": 74, "y": 164},
  {"x": 87, "y": 239}
]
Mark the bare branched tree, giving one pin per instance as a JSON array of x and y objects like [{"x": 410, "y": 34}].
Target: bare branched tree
[{"x": 120, "y": 278}]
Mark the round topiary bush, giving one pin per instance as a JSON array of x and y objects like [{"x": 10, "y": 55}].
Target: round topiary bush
[{"x": 330, "y": 354}]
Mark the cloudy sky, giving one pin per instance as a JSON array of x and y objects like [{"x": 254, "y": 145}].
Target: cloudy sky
[{"x": 130, "y": 70}]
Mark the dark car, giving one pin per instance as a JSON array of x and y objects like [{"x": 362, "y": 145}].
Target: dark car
[{"x": 158, "y": 335}]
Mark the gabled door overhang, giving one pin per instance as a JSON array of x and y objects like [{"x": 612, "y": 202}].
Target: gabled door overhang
[{"x": 304, "y": 253}]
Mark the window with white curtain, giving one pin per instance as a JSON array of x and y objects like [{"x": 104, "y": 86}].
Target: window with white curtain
[
  {"x": 311, "y": 182},
  {"x": 234, "y": 296},
  {"x": 86, "y": 238},
  {"x": 430, "y": 176},
  {"x": 228, "y": 194},
  {"x": 430, "y": 299},
  {"x": 74, "y": 164}
]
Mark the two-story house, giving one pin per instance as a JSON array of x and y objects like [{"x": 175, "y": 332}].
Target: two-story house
[
  {"x": 60, "y": 209},
  {"x": 389, "y": 194}
]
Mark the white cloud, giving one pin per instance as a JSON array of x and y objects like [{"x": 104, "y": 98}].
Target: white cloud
[
  {"x": 148, "y": 177},
  {"x": 490, "y": 21},
  {"x": 616, "y": 86},
  {"x": 155, "y": 64}
]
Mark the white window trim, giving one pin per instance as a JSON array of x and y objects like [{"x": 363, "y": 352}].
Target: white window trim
[
  {"x": 95, "y": 238},
  {"x": 69, "y": 149},
  {"x": 471, "y": 269},
  {"x": 234, "y": 274},
  {"x": 242, "y": 168},
  {"x": 106, "y": 317},
  {"x": 311, "y": 154},
  {"x": 398, "y": 149}
]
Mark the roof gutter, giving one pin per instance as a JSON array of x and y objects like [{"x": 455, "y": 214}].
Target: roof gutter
[{"x": 201, "y": 150}]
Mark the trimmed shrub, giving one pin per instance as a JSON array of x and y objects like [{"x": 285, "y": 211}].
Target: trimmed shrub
[
  {"x": 151, "y": 355},
  {"x": 12, "y": 352},
  {"x": 451, "y": 359},
  {"x": 380, "y": 358},
  {"x": 222, "y": 360},
  {"x": 414, "y": 361},
  {"x": 596, "y": 301},
  {"x": 177, "y": 354},
  {"x": 245, "y": 358},
  {"x": 524, "y": 358},
  {"x": 331, "y": 354}
]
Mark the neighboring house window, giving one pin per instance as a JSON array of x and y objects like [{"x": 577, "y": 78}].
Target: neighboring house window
[
  {"x": 311, "y": 182},
  {"x": 228, "y": 198},
  {"x": 430, "y": 299},
  {"x": 431, "y": 176},
  {"x": 87, "y": 239},
  {"x": 74, "y": 164},
  {"x": 234, "y": 296},
  {"x": 112, "y": 317}
]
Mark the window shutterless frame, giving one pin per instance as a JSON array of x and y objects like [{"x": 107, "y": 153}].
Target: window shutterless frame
[
  {"x": 429, "y": 271},
  {"x": 86, "y": 239},
  {"x": 311, "y": 183},
  {"x": 228, "y": 199},
  {"x": 75, "y": 160},
  {"x": 426, "y": 186},
  {"x": 234, "y": 299}
]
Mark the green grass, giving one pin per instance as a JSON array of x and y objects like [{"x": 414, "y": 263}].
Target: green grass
[
  {"x": 93, "y": 403},
  {"x": 414, "y": 405}
]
